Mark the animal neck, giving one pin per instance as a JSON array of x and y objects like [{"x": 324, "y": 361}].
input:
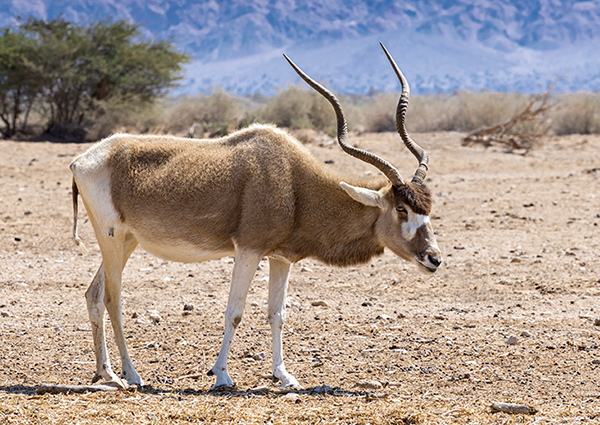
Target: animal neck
[{"x": 343, "y": 232}]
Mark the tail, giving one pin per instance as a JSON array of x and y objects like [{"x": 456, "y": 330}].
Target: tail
[{"x": 76, "y": 237}]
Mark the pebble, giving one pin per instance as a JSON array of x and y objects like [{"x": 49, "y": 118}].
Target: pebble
[
  {"x": 155, "y": 317},
  {"x": 384, "y": 317},
  {"x": 597, "y": 321},
  {"x": 305, "y": 269},
  {"x": 439, "y": 317},
  {"x": 370, "y": 385},
  {"x": 293, "y": 397},
  {"x": 319, "y": 303},
  {"x": 188, "y": 307},
  {"x": 512, "y": 340},
  {"x": 259, "y": 390},
  {"x": 526, "y": 334}
]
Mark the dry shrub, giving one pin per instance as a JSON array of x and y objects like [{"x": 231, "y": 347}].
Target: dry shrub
[
  {"x": 123, "y": 114},
  {"x": 298, "y": 108},
  {"x": 577, "y": 113},
  {"x": 462, "y": 111},
  {"x": 295, "y": 108},
  {"x": 380, "y": 113},
  {"x": 217, "y": 108},
  {"x": 521, "y": 132}
]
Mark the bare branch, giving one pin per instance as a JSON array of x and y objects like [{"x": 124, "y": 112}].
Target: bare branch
[{"x": 512, "y": 133}]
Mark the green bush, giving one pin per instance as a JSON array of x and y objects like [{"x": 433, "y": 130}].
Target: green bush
[{"x": 80, "y": 68}]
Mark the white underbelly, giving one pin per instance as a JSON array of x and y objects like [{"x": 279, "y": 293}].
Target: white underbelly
[{"x": 181, "y": 251}]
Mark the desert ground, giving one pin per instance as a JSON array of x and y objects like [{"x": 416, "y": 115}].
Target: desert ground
[{"x": 512, "y": 316}]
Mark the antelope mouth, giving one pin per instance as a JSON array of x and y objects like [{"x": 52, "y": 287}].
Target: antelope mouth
[{"x": 427, "y": 268}]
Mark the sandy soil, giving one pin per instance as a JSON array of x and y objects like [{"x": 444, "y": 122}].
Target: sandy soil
[{"x": 520, "y": 238}]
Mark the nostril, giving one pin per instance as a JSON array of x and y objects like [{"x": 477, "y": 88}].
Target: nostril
[{"x": 435, "y": 260}]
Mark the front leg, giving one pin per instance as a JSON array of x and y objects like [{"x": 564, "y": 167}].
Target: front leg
[
  {"x": 243, "y": 271},
  {"x": 278, "y": 282}
]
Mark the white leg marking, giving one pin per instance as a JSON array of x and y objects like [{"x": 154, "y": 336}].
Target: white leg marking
[
  {"x": 243, "y": 272},
  {"x": 278, "y": 282},
  {"x": 95, "y": 303},
  {"x": 121, "y": 251}
]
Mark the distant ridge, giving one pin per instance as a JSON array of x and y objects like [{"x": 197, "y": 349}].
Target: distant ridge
[{"x": 505, "y": 45}]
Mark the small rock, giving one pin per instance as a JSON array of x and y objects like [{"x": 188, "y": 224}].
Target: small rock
[
  {"x": 596, "y": 361},
  {"x": 258, "y": 356},
  {"x": 370, "y": 385},
  {"x": 305, "y": 269},
  {"x": 512, "y": 340},
  {"x": 259, "y": 390},
  {"x": 319, "y": 303},
  {"x": 526, "y": 334},
  {"x": 293, "y": 397},
  {"x": 155, "y": 317},
  {"x": 439, "y": 317},
  {"x": 188, "y": 307},
  {"x": 4, "y": 314},
  {"x": 384, "y": 317},
  {"x": 254, "y": 304},
  {"x": 515, "y": 260},
  {"x": 597, "y": 321},
  {"x": 367, "y": 304},
  {"x": 323, "y": 389}
]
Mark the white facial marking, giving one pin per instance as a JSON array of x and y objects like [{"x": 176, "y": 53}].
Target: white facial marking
[{"x": 410, "y": 227}]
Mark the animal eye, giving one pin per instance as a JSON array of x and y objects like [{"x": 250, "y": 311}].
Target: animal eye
[{"x": 401, "y": 210}]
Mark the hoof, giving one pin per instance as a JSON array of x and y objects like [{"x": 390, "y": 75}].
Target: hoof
[
  {"x": 119, "y": 385},
  {"x": 223, "y": 388}
]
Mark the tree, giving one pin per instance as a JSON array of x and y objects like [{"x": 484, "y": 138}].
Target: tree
[
  {"x": 18, "y": 86},
  {"x": 81, "y": 69}
]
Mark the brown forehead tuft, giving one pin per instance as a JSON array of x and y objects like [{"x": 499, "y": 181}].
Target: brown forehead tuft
[{"x": 416, "y": 196}]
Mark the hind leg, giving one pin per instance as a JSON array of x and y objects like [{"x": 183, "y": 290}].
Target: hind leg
[
  {"x": 114, "y": 262},
  {"x": 95, "y": 303},
  {"x": 105, "y": 291}
]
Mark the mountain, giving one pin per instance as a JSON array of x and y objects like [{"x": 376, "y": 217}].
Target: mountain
[{"x": 441, "y": 45}]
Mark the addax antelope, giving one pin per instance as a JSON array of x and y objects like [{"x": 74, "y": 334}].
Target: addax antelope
[{"x": 253, "y": 194}]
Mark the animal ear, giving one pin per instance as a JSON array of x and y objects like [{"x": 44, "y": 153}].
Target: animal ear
[{"x": 368, "y": 197}]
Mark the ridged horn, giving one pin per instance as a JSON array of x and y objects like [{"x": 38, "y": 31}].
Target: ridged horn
[
  {"x": 416, "y": 150},
  {"x": 342, "y": 131}
]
